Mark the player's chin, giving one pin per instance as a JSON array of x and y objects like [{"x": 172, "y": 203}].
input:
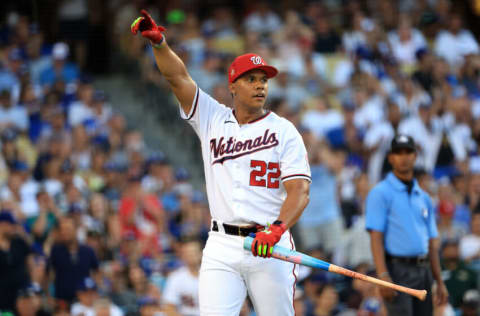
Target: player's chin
[{"x": 257, "y": 102}]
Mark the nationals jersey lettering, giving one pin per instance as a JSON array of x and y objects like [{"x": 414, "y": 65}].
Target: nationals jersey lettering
[
  {"x": 240, "y": 148},
  {"x": 246, "y": 165}
]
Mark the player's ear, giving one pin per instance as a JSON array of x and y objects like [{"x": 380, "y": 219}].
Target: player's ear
[{"x": 231, "y": 88}]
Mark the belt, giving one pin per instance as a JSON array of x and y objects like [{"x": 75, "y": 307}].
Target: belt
[
  {"x": 419, "y": 260},
  {"x": 243, "y": 231}
]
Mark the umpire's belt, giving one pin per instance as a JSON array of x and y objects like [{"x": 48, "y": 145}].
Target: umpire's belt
[
  {"x": 418, "y": 261},
  {"x": 236, "y": 230}
]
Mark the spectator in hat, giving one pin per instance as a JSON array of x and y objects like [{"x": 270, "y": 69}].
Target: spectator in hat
[
  {"x": 86, "y": 293},
  {"x": 29, "y": 302},
  {"x": 70, "y": 261},
  {"x": 156, "y": 164},
  {"x": 14, "y": 258},
  {"x": 60, "y": 70},
  {"x": 12, "y": 115},
  {"x": 470, "y": 303},
  {"x": 88, "y": 299},
  {"x": 458, "y": 277},
  {"x": 114, "y": 181}
]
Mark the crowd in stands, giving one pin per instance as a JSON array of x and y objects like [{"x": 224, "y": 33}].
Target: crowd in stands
[{"x": 92, "y": 221}]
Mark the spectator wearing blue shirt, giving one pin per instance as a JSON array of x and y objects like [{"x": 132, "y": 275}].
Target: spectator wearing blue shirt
[
  {"x": 404, "y": 237},
  {"x": 321, "y": 223},
  {"x": 70, "y": 261},
  {"x": 60, "y": 70}
]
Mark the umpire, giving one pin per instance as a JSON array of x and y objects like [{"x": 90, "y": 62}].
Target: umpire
[{"x": 403, "y": 234}]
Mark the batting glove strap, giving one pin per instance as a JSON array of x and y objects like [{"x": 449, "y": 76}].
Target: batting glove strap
[{"x": 264, "y": 241}]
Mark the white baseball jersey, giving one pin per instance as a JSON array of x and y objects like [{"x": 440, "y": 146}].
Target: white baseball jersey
[
  {"x": 245, "y": 165},
  {"x": 181, "y": 290}
]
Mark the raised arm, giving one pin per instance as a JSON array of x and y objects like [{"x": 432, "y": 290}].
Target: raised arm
[{"x": 169, "y": 64}]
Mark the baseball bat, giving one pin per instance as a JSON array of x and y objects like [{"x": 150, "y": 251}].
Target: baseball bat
[{"x": 293, "y": 256}]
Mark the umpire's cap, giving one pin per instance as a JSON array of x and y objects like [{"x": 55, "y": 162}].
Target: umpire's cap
[
  {"x": 402, "y": 141},
  {"x": 247, "y": 62}
]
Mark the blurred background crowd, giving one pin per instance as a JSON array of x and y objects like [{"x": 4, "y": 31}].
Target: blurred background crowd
[{"x": 102, "y": 207}]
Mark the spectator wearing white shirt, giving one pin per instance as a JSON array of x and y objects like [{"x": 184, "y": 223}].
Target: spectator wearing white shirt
[
  {"x": 20, "y": 190},
  {"x": 80, "y": 110},
  {"x": 357, "y": 36},
  {"x": 470, "y": 244},
  {"x": 405, "y": 41},
  {"x": 442, "y": 143},
  {"x": 409, "y": 96},
  {"x": 368, "y": 96},
  {"x": 455, "y": 42},
  {"x": 12, "y": 115},
  {"x": 321, "y": 118},
  {"x": 89, "y": 303},
  {"x": 181, "y": 289},
  {"x": 377, "y": 141},
  {"x": 263, "y": 19}
]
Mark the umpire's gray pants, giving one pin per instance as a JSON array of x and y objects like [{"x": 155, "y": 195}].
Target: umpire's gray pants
[{"x": 414, "y": 276}]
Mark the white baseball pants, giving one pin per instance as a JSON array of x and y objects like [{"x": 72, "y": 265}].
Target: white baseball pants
[{"x": 228, "y": 273}]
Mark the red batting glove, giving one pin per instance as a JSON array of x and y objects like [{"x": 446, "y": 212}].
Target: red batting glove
[
  {"x": 264, "y": 241},
  {"x": 148, "y": 28}
]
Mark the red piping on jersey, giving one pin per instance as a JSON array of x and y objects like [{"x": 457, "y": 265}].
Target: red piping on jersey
[
  {"x": 295, "y": 276},
  {"x": 297, "y": 175},
  {"x": 255, "y": 120},
  {"x": 197, "y": 95},
  {"x": 260, "y": 118}
]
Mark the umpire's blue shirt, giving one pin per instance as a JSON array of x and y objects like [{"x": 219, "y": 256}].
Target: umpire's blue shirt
[{"x": 407, "y": 221}]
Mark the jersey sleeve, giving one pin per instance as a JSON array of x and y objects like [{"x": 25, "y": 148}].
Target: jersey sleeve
[
  {"x": 203, "y": 109},
  {"x": 376, "y": 211},
  {"x": 293, "y": 157}
]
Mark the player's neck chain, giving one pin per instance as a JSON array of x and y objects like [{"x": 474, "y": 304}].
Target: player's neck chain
[{"x": 231, "y": 149}]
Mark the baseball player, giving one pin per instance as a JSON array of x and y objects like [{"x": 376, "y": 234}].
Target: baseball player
[{"x": 256, "y": 173}]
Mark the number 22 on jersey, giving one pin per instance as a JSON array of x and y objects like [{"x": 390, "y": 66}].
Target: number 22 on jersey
[{"x": 260, "y": 168}]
